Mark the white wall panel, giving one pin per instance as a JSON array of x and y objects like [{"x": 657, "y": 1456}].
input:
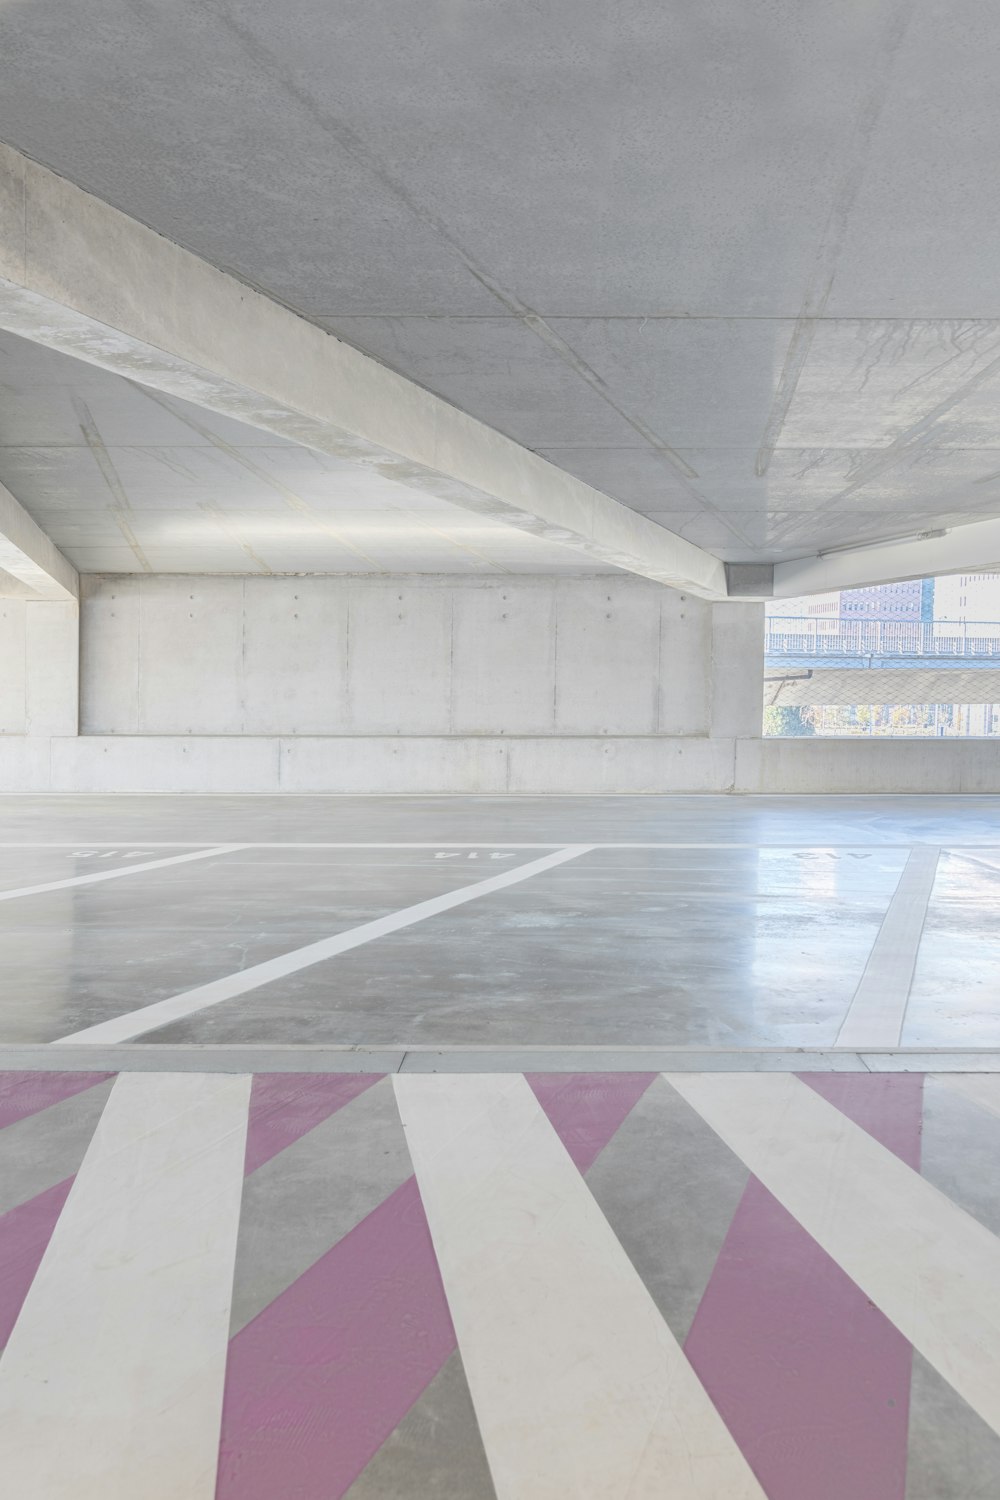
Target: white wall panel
[
  {"x": 25, "y": 763},
  {"x": 607, "y": 658},
  {"x": 423, "y": 657},
  {"x": 394, "y": 763},
  {"x": 652, "y": 763},
  {"x": 160, "y": 763},
  {"x": 399, "y": 658},
  {"x": 295, "y": 656},
  {"x": 109, "y": 655},
  {"x": 191, "y": 656},
  {"x": 685, "y": 664},
  {"x": 863, "y": 766},
  {"x": 12, "y": 667},
  {"x": 52, "y": 670},
  {"x": 484, "y": 765},
  {"x": 503, "y": 659}
]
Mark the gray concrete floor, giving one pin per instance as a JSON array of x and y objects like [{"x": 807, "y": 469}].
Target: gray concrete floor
[{"x": 759, "y": 945}]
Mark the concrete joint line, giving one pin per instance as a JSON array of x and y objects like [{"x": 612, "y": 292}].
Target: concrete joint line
[{"x": 405, "y": 1057}]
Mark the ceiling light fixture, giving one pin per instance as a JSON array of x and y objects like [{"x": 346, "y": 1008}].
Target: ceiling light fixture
[{"x": 885, "y": 541}]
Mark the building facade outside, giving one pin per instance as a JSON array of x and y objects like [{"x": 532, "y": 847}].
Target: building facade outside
[{"x": 949, "y": 621}]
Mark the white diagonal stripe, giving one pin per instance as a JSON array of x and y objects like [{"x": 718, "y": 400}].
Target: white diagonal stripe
[
  {"x": 579, "y": 1386},
  {"x": 118, "y": 874},
  {"x": 931, "y": 1268},
  {"x": 111, "y": 1383},
  {"x": 876, "y": 1013},
  {"x": 161, "y": 1012},
  {"x": 979, "y": 1088}
]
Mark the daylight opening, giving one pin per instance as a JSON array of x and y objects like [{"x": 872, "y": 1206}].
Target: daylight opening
[{"x": 910, "y": 660}]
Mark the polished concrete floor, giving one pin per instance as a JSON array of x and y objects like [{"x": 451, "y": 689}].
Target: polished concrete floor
[
  {"x": 536, "y": 1149},
  {"x": 414, "y": 922},
  {"x": 589, "y": 1285}
]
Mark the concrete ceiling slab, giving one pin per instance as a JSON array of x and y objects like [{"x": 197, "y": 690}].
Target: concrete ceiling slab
[
  {"x": 920, "y": 239},
  {"x": 557, "y": 151},
  {"x": 122, "y": 479},
  {"x": 498, "y": 366},
  {"x": 732, "y": 264},
  {"x": 81, "y": 278},
  {"x": 686, "y": 382}
]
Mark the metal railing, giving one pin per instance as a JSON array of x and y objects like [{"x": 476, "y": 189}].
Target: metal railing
[{"x": 809, "y": 638}]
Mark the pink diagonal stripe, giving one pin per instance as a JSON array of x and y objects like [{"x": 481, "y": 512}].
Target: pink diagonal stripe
[
  {"x": 888, "y": 1105},
  {"x": 811, "y": 1379},
  {"x": 587, "y": 1108},
  {"x": 286, "y": 1106},
  {"x": 320, "y": 1379},
  {"x": 23, "y": 1094},
  {"x": 25, "y": 1232}
]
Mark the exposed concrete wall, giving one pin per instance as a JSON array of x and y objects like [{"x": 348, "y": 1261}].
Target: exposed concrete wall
[
  {"x": 491, "y": 765},
  {"x": 459, "y": 764},
  {"x": 405, "y": 684},
  {"x": 39, "y": 667},
  {"x": 415, "y": 657},
  {"x": 13, "y": 675},
  {"x": 862, "y": 766},
  {"x": 418, "y": 685}
]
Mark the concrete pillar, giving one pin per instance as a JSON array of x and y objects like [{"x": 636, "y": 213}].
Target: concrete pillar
[{"x": 737, "y": 670}]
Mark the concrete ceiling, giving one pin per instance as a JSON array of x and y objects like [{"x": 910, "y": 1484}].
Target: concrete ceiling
[
  {"x": 733, "y": 264},
  {"x": 124, "y": 479}
]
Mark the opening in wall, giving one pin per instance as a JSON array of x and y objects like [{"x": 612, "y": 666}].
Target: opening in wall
[{"x": 912, "y": 660}]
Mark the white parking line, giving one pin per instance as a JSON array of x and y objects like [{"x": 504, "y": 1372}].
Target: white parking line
[
  {"x": 875, "y": 1015},
  {"x": 112, "y": 1381},
  {"x": 161, "y": 1012},
  {"x": 150, "y": 864},
  {"x": 923, "y": 1261},
  {"x": 579, "y": 1386}
]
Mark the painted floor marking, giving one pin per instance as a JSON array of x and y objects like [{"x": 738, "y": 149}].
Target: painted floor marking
[
  {"x": 932, "y": 1269},
  {"x": 579, "y": 1386},
  {"x": 980, "y": 1089},
  {"x": 176, "y": 1007},
  {"x": 112, "y": 1382},
  {"x": 152, "y": 864},
  {"x": 875, "y": 1015}
]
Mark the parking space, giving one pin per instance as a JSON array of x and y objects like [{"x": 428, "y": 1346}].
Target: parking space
[{"x": 574, "y": 941}]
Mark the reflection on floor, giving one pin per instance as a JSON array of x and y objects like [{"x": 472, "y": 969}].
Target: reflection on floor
[
  {"x": 698, "y": 1285},
  {"x": 513, "y": 945}
]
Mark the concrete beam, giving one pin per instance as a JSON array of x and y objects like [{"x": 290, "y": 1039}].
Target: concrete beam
[
  {"x": 750, "y": 580},
  {"x": 80, "y": 277},
  {"x": 962, "y": 549},
  {"x": 31, "y": 566}
]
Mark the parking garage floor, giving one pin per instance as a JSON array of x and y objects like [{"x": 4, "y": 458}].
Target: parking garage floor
[
  {"x": 523, "y": 1148},
  {"x": 397, "y": 923}
]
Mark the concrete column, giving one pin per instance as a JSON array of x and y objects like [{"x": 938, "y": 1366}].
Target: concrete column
[{"x": 737, "y": 670}]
